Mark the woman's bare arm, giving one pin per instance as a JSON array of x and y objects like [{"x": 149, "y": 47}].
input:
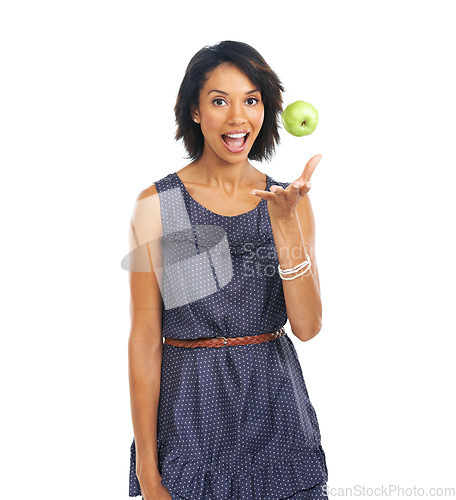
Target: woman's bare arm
[{"x": 145, "y": 345}]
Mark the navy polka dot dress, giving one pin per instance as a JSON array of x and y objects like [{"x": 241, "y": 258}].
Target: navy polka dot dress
[{"x": 234, "y": 422}]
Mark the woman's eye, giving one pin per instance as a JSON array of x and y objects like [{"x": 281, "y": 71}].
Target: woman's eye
[
  {"x": 252, "y": 99},
  {"x": 218, "y": 101}
]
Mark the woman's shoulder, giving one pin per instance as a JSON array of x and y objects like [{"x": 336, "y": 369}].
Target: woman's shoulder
[
  {"x": 149, "y": 191},
  {"x": 162, "y": 184}
]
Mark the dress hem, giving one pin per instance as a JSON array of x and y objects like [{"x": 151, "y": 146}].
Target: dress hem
[{"x": 192, "y": 480}]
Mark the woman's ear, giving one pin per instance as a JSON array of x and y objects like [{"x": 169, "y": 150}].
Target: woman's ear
[{"x": 195, "y": 115}]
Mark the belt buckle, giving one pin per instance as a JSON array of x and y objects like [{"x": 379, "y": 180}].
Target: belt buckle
[
  {"x": 278, "y": 333},
  {"x": 224, "y": 344}
]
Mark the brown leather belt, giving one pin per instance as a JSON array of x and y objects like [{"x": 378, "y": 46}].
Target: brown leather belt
[{"x": 224, "y": 341}]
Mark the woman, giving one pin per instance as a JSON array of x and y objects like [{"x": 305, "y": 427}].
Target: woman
[{"x": 221, "y": 409}]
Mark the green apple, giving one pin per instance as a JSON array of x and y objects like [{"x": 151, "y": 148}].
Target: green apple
[{"x": 300, "y": 118}]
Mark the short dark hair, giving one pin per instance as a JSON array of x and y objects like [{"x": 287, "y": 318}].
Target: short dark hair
[{"x": 252, "y": 64}]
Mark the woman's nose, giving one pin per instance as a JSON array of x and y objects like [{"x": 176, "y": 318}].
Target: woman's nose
[{"x": 237, "y": 115}]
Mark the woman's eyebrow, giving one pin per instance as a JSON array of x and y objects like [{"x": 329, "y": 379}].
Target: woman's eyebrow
[{"x": 226, "y": 93}]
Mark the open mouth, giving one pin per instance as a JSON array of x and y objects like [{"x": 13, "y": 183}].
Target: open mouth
[{"x": 235, "y": 143}]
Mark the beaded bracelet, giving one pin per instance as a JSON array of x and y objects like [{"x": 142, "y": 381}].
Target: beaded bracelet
[
  {"x": 295, "y": 268},
  {"x": 297, "y": 276},
  {"x": 305, "y": 264}
]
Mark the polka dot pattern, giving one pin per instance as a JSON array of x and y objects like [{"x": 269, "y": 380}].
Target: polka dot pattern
[{"x": 234, "y": 422}]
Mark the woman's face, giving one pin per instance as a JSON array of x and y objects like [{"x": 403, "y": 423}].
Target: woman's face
[{"x": 229, "y": 105}]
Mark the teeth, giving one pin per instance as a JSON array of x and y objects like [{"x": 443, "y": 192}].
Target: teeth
[{"x": 236, "y": 136}]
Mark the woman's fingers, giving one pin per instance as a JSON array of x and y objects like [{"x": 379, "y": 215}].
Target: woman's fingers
[{"x": 310, "y": 167}]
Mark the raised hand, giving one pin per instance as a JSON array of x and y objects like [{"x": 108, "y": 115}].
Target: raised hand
[{"x": 282, "y": 203}]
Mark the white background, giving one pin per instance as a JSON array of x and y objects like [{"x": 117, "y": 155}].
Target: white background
[{"x": 87, "y": 96}]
